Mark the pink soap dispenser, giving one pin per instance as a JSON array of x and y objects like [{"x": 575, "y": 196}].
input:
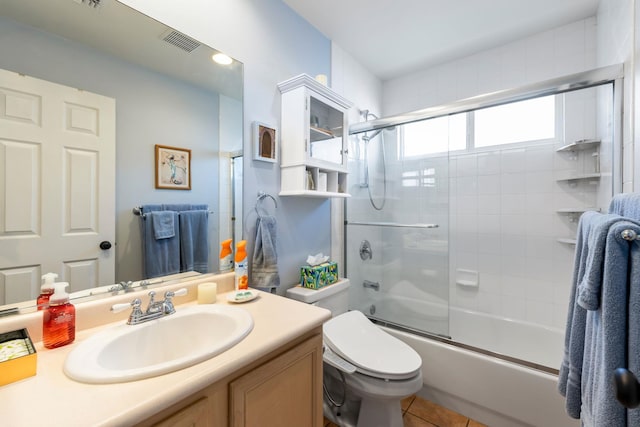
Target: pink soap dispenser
[
  {"x": 59, "y": 319},
  {"x": 46, "y": 290}
]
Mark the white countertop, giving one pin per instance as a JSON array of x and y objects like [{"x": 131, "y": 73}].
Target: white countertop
[{"x": 51, "y": 398}]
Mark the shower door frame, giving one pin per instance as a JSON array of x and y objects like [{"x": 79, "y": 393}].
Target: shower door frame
[{"x": 613, "y": 74}]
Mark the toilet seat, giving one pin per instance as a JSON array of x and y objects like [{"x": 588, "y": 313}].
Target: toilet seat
[{"x": 371, "y": 350}]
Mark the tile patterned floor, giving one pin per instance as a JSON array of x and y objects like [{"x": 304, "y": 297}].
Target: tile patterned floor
[{"x": 419, "y": 412}]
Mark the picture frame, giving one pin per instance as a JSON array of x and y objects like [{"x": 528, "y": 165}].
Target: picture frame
[
  {"x": 265, "y": 143},
  {"x": 173, "y": 168}
]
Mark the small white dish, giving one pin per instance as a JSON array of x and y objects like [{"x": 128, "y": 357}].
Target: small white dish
[{"x": 242, "y": 296}]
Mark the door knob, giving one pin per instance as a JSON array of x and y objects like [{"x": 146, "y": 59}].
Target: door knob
[{"x": 104, "y": 245}]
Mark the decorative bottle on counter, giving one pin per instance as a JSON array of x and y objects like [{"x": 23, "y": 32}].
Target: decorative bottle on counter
[
  {"x": 242, "y": 277},
  {"x": 46, "y": 290},
  {"x": 59, "y": 319},
  {"x": 225, "y": 256}
]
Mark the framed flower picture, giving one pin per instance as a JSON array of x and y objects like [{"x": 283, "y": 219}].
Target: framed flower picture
[{"x": 173, "y": 168}]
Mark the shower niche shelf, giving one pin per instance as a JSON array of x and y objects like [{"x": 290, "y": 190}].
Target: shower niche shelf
[
  {"x": 314, "y": 130},
  {"x": 586, "y": 155},
  {"x": 567, "y": 240},
  {"x": 581, "y": 145}
]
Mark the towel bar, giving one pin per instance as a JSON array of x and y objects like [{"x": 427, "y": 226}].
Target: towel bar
[
  {"x": 261, "y": 196},
  {"x": 138, "y": 211}
]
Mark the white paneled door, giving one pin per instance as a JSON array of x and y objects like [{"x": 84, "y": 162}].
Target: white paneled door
[{"x": 57, "y": 186}]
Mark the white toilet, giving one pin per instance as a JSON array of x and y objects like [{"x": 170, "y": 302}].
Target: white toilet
[{"x": 367, "y": 372}]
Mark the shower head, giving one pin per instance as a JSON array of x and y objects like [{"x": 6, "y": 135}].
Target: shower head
[
  {"x": 366, "y": 114},
  {"x": 375, "y": 133},
  {"x": 368, "y": 138}
]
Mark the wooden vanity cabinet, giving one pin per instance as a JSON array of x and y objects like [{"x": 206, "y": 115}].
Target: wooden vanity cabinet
[{"x": 281, "y": 389}]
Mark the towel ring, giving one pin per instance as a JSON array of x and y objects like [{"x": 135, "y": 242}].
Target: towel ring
[{"x": 261, "y": 196}]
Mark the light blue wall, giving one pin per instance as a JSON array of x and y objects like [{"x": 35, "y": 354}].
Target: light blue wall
[{"x": 274, "y": 43}]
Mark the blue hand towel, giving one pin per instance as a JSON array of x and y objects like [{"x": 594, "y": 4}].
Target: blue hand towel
[
  {"x": 163, "y": 224},
  {"x": 627, "y": 205},
  {"x": 264, "y": 266},
  {"x": 589, "y": 289},
  {"x": 194, "y": 240},
  {"x": 569, "y": 378},
  {"x": 160, "y": 257},
  {"x": 606, "y": 334},
  {"x": 633, "y": 342}
]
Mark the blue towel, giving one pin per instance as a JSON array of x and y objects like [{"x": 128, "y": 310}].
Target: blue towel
[
  {"x": 163, "y": 224},
  {"x": 590, "y": 287},
  {"x": 264, "y": 267},
  {"x": 627, "y": 205},
  {"x": 194, "y": 240},
  {"x": 570, "y": 375},
  {"x": 606, "y": 334},
  {"x": 633, "y": 343},
  {"x": 160, "y": 257}
]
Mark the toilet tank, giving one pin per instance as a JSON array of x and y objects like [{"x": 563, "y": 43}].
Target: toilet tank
[{"x": 334, "y": 297}]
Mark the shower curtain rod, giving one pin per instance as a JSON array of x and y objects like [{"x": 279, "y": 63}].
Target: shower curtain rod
[{"x": 563, "y": 84}]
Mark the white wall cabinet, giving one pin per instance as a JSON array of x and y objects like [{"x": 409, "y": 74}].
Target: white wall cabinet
[{"x": 314, "y": 133}]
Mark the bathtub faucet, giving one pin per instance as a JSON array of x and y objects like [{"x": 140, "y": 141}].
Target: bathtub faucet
[{"x": 372, "y": 285}]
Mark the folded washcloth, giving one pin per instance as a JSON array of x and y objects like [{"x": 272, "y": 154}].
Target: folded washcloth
[
  {"x": 627, "y": 205},
  {"x": 264, "y": 267},
  {"x": 160, "y": 256},
  {"x": 163, "y": 225}
]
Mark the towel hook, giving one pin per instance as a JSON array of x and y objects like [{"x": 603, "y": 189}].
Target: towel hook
[{"x": 261, "y": 196}]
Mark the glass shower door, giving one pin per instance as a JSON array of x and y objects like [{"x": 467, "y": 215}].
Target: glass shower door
[{"x": 397, "y": 231}]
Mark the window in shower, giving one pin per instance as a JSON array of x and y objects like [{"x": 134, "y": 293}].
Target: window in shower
[
  {"x": 530, "y": 120},
  {"x": 438, "y": 135},
  {"x": 517, "y": 122}
]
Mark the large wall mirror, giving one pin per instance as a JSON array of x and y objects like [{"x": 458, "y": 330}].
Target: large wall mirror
[{"x": 153, "y": 86}]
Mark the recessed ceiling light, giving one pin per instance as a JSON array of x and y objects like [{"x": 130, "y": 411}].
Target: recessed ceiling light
[{"x": 222, "y": 59}]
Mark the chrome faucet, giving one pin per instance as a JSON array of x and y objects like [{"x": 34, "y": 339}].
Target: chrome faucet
[
  {"x": 155, "y": 309},
  {"x": 122, "y": 286}
]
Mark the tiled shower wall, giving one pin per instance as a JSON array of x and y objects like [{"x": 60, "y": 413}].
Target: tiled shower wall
[{"x": 505, "y": 224}]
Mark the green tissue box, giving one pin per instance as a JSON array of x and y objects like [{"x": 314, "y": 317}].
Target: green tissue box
[{"x": 317, "y": 276}]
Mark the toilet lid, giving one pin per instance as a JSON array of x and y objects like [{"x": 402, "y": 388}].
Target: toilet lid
[{"x": 373, "y": 351}]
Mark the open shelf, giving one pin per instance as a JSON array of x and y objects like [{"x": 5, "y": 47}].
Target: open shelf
[
  {"x": 577, "y": 210},
  {"x": 580, "y": 176},
  {"x": 566, "y": 240},
  {"x": 313, "y": 193},
  {"x": 583, "y": 144}
]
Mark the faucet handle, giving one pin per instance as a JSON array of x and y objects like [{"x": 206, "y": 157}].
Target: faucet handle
[
  {"x": 117, "y": 308},
  {"x": 178, "y": 293},
  {"x": 167, "y": 304},
  {"x": 136, "y": 312}
]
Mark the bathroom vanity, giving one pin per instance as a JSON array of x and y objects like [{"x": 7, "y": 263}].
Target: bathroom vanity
[{"x": 273, "y": 377}]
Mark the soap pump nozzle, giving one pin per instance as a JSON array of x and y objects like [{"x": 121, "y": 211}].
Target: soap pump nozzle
[
  {"x": 48, "y": 281},
  {"x": 60, "y": 295}
]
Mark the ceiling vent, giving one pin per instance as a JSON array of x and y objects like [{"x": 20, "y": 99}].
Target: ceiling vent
[
  {"x": 91, "y": 3},
  {"x": 181, "y": 41}
]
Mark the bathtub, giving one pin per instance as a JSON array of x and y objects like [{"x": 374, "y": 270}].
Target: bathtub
[{"x": 483, "y": 385}]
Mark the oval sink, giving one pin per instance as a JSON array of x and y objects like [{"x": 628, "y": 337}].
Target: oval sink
[{"x": 132, "y": 352}]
